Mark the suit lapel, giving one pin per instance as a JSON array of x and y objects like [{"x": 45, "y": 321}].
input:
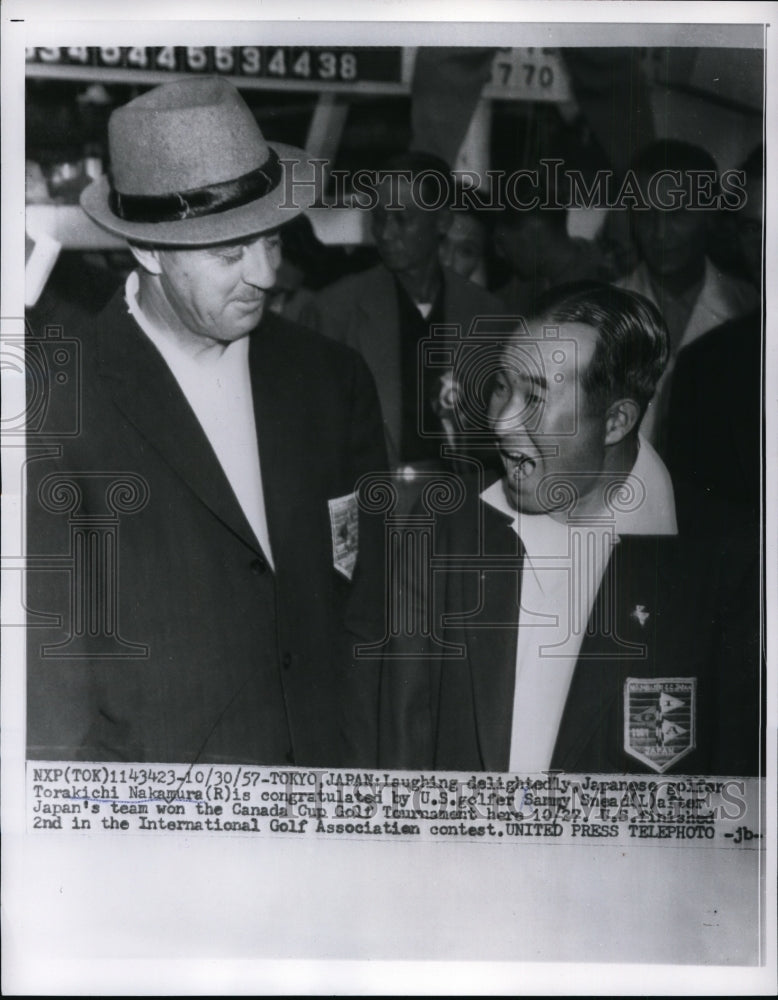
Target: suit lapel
[
  {"x": 593, "y": 687},
  {"x": 491, "y": 638},
  {"x": 615, "y": 647},
  {"x": 283, "y": 435},
  {"x": 147, "y": 393}
]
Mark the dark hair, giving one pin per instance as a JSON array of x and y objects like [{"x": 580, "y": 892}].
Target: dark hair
[
  {"x": 553, "y": 195},
  {"x": 300, "y": 244},
  {"x": 437, "y": 180},
  {"x": 514, "y": 217},
  {"x": 632, "y": 348},
  {"x": 472, "y": 204}
]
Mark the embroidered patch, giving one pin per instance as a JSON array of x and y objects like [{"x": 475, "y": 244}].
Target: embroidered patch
[
  {"x": 660, "y": 719},
  {"x": 344, "y": 522}
]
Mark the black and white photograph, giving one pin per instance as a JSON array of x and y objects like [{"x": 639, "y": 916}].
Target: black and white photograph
[{"x": 388, "y": 474}]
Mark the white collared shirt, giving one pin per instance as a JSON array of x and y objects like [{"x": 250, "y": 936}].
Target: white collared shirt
[
  {"x": 217, "y": 385},
  {"x": 563, "y": 568}
]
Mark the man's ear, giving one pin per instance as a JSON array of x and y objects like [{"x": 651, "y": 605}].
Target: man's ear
[
  {"x": 622, "y": 418},
  {"x": 147, "y": 257}
]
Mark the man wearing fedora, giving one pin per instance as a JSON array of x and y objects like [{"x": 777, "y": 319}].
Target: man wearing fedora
[{"x": 219, "y": 576}]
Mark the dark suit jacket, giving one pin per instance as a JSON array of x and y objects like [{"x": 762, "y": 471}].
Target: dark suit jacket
[
  {"x": 242, "y": 663},
  {"x": 701, "y": 594},
  {"x": 361, "y": 311},
  {"x": 715, "y": 417}
]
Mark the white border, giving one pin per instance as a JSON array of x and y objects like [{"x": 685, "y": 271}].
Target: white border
[{"x": 144, "y": 22}]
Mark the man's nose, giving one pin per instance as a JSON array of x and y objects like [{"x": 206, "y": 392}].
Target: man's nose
[{"x": 260, "y": 264}]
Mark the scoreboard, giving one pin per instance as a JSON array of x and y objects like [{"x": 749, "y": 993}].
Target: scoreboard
[
  {"x": 308, "y": 66},
  {"x": 519, "y": 74}
]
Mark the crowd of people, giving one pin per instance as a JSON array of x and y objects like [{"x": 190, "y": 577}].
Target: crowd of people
[{"x": 590, "y": 600}]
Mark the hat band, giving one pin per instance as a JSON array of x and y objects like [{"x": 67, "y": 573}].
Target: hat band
[{"x": 197, "y": 202}]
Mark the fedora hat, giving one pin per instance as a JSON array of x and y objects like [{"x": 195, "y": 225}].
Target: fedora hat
[{"x": 190, "y": 167}]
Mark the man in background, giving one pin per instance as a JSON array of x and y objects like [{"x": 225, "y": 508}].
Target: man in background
[
  {"x": 466, "y": 244},
  {"x": 541, "y": 255},
  {"x": 386, "y": 311},
  {"x": 716, "y": 403},
  {"x": 675, "y": 272}
]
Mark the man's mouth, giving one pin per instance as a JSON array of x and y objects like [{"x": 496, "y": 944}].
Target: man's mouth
[{"x": 518, "y": 464}]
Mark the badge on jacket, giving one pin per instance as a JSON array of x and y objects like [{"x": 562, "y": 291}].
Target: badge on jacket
[
  {"x": 660, "y": 719},
  {"x": 344, "y": 523}
]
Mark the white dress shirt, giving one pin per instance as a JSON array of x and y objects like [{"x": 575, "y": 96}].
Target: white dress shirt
[
  {"x": 563, "y": 567},
  {"x": 217, "y": 385}
]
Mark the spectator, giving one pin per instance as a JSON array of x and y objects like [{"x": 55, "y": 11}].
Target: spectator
[
  {"x": 674, "y": 271},
  {"x": 302, "y": 257},
  {"x": 465, "y": 244},
  {"x": 541, "y": 255},
  {"x": 386, "y": 311},
  {"x": 715, "y": 416}
]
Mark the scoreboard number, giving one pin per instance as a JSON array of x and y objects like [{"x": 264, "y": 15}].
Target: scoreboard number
[
  {"x": 49, "y": 55},
  {"x": 165, "y": 58},
  {"x": 196, "y": 58},
  {"x": 250, "y": 60},
  {"x": 224, "y": 59},
  {"x": 302, "y": 65},
  {"x": 110, "y": 55},
  {"x": 276, "y": 65},
  {"x": 79, "y": 55},
  {"x": 530, "y": 74},
  {"x": 334, "y": 66},
  {"x": 139, "y": 57}
]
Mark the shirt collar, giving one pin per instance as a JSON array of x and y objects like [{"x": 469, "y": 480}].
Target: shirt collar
[
  {"x": 540, "y": 534},
  {"x": 131, "y": 289},
  {"x": 653, "y": 509},
  {"x": 221, "y": 356},
  {"x": 647, "y": 498}
]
